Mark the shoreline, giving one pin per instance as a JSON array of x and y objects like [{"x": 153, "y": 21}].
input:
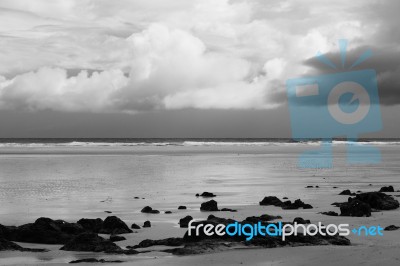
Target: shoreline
[
  {"x": 64, "y": 186},
  {"x": 163, "y": 229}
]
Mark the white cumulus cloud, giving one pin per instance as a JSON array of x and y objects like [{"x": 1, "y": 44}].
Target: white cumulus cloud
[{"x": 130, "y": 56}]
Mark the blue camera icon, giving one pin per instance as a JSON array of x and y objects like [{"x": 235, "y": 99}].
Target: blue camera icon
[{"x": 335, "y": 105}]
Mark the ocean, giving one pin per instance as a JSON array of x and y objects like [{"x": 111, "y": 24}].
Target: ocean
[
  {"x": 73, "y": 178},
  {"x": 83, "y": 142}
]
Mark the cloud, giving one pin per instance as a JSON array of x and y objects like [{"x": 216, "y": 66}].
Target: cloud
[
  {"x": 169, "y": 69},
  {"x": 135, "y": 56},
  {"x": 50, "y": 88}
]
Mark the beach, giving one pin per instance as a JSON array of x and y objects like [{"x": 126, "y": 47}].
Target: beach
[{"x": 71, "y": 182}]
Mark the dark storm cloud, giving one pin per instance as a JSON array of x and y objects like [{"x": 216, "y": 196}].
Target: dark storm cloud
[{"x": 386, "y": 63}]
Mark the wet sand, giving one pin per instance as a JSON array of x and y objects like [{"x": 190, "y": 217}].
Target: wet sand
[{"x": 70, "y": 183}]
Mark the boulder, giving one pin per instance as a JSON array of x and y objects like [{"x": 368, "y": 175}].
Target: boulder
[
  {"x": 262, "y": 218},
  {"x": 387, "y": 189},
  {"x": 207, "y": 195},
  {"x": 199, "y": 244},
  {"x": 116, "y": 238},
  {"x": 91, "y": 225},
  {"x": 149, "y": 209},
  {"x": 300, "y": 220},
  {"x": 91, "y": 242},
  {"x": 228, "y": 210},
  {"x": 6, "y": 245},
  {"x": 146, "y": 224},
  {"x": 210, "y": 206},
  {"x": 378, "y": 200},
  {"x": 183, "y": 223},
  {"x": 93, "y": 260},
  {"x": 115, "y": 226},
  {"x": 7, "y": 232},
  {"x": 391, "y": 228},
  {"x": 46, "y": 231},
  {"x": 355, "y": 208},
  {"x": 347, "y": 192},
  {"x": 330, "y": 213},
  {"x": 135, "y": 226},
  {"x": 288, "y": 205},
  {"x": 271, "y": 200},
  {"x": 172, "y": 242},
  {"x": 182, "y": 207}
]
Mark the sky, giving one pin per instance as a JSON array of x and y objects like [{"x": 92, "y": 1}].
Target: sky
[{"x": 180, "y": 68}]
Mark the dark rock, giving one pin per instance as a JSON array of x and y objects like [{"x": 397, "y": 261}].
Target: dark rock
[
  {"x": 207, "y": 195},
  {"x": 93, "y": 260},
  {"x": 228, "y": 210},
  {"x": 335, "y": 187},
  {"x": 91, "y": 242},
  {"x": 266, "y": 242},
  {"x": 182, "y": 208},
  {"x": 300, "y": 220},
  {"x": 271, "y": 200},
  {"x": 203, "y": 247},
  {"x": 262, "y": 218},
  {"x": 135, "y": 226},
  {"x": 378, "y": 200},
  {"x": 183, "y": 223},
  {"x": 309, "y": 186},
  {"x": 168, "y": 212},
  {"x": 198, "y": 244},
  {"x": 116, "y": 238},
  {"x": 171, "y": 242},
  {"x": 355, "y": 208},
  {"x": 347, "y": 192},
  {"x": 317, "y": 186},
  {"x": 217, "y": 220},
  {"x": 149, "y": 209},
  {"x": 338, "y": 204},
  {"x": 8, "y": 245},
  {"x": 108, "y": 211},
  {"x": 146, "y": 224},
  {"x": 115, "y": 226},
  {"x": 330, "y": 213},
  {"x": 91, "y": 225},
  {"x": 285, "y": 198},
  {"x": 210, "y": 206},
  {"x": 131, "y": 252},
  {"x": 286, "y": 205},
  {"x": 197, "y": 195},
  {"x": 7, "y": 232},
  {"x": 387, "y": 189},
  {"x": 46, "y": 231},
  {"x": 136, "y": 198},
  {"x": 391, "y": 228},
  {"x": 307, "y": 206}
]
